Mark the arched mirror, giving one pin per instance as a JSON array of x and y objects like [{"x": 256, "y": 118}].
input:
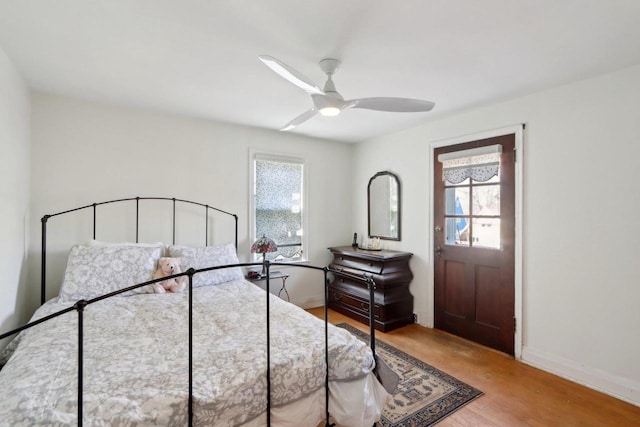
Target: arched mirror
[{"x": 383, "y": 194}]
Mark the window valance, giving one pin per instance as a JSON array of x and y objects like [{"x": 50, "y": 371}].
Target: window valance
[{"x": 479, "y": 164}]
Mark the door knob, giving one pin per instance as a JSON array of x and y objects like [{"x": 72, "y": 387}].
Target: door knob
[
  {"x": 438, "y": 228},
  {"x": 438, "y": 251}
]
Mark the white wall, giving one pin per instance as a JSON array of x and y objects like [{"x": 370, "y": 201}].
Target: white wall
[
  {"x": 14, "y": 187},
  {"x": 84, "y": 153},
  {"x": 581, "y": 253}
]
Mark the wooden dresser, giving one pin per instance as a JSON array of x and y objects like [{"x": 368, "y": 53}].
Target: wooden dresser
[{"x": 393, "y": 303}]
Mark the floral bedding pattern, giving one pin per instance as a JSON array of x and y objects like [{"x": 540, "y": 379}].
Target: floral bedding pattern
[
  {"x": 136, "y": 360},
  {"x": 209, "y": 256},
  {"x": 97, "y": 270}
]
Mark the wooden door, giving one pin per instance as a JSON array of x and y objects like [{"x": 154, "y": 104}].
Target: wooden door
[{"x": 474, "y": 254}]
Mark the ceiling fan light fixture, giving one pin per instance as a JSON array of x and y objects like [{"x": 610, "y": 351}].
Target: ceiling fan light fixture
[
  {"x": 329, "y": 111},
  {"x": 329, "y": 104}
]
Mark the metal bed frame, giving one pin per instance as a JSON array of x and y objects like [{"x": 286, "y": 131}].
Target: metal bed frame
[{"x": 80, "y": 305}]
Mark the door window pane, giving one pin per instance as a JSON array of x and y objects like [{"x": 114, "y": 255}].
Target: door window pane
[
  {"x": 457, "y": 201},
  {"x": 457, "y": 231},
  {"x": 486, "y": 200},
  {"x": 486, "y": 233}
]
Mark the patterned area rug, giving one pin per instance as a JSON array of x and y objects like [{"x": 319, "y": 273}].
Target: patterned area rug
[{"x": 424, "y": 395}]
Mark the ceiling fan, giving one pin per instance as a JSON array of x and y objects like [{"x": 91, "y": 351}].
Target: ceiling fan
[{"x": 329, "y": 102}]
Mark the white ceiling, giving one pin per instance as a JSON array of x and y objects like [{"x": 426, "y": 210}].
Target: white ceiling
[{"x": 199, "y": 57}]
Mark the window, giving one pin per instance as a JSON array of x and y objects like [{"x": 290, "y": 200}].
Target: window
[
  {"x": 472, "y": 197},
  {"x": 279, "y": 205}
]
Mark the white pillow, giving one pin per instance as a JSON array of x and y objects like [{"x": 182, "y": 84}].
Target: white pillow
[
  {"x": 100, "y": 243},
  {"x": 97, "y": 270},
  {"x": 209, "y": 256}
]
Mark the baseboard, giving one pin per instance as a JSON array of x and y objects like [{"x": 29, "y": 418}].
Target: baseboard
[
  {"x": 309, "y": 302},
  {"x": 423, "y": 319},
  {"x": 618, "y": 387}
]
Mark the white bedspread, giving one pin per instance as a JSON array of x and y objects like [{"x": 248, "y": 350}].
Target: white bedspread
[{"x": 136, "y": 362}]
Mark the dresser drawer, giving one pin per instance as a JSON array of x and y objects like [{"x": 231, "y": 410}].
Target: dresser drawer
[
  {"x": 352, "y": 303},
  {"x": 368, "y": 265},
  {"x": 353, "y": 275}
]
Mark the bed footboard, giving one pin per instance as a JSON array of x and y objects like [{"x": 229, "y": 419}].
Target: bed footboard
[{"x": 81, "y": 305}]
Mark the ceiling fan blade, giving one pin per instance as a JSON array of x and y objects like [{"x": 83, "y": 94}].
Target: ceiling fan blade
[
  {"x": 300, "y": 119},
  {"x": 291, "y": 75},
  {"x": 398, "y": 105}
]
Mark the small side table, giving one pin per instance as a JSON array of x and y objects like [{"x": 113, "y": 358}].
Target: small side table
[{"x": 274, "y": 275}]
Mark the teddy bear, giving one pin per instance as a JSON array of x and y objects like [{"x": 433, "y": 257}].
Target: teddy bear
[{"x": 168, "y": 267}]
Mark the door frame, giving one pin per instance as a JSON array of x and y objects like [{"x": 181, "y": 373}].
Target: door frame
[{"x": 518, "y": 130}]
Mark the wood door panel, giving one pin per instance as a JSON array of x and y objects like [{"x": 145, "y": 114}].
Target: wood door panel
[
  {"x": 487, "y": 295},
  {"x": 475, "y": 286},
  {"x": 453, "y": 286}
]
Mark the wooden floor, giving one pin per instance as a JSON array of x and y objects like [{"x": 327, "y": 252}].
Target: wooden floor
[{"x": 515, "y": 394}]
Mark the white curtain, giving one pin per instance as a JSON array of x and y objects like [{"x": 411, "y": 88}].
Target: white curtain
[{"x": 479, "y": 164}]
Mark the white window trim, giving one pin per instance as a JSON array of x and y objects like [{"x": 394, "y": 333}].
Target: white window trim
[{"x": 265, "y": 155}]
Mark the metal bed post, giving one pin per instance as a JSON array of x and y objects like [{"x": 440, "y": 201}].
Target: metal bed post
[
  {"x": 191, "y": 271},
  {"x": 79, "y": 306},
  {"x": 94, "y": 221},
  {"x": 267, "y": 266},
  {"x": 371, "y": 284},
  {"x": 236, "y": 218},
  {"x": 206, "y": 225},
  {"x": 326, "y": 348},
  {"x": 137, "y": 216},
  {"x": 174, "y": 220},
  {"x": 43, "y": 257}
]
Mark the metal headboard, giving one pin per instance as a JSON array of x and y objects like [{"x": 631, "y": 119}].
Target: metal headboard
[{"x": 137, "y": 200}]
